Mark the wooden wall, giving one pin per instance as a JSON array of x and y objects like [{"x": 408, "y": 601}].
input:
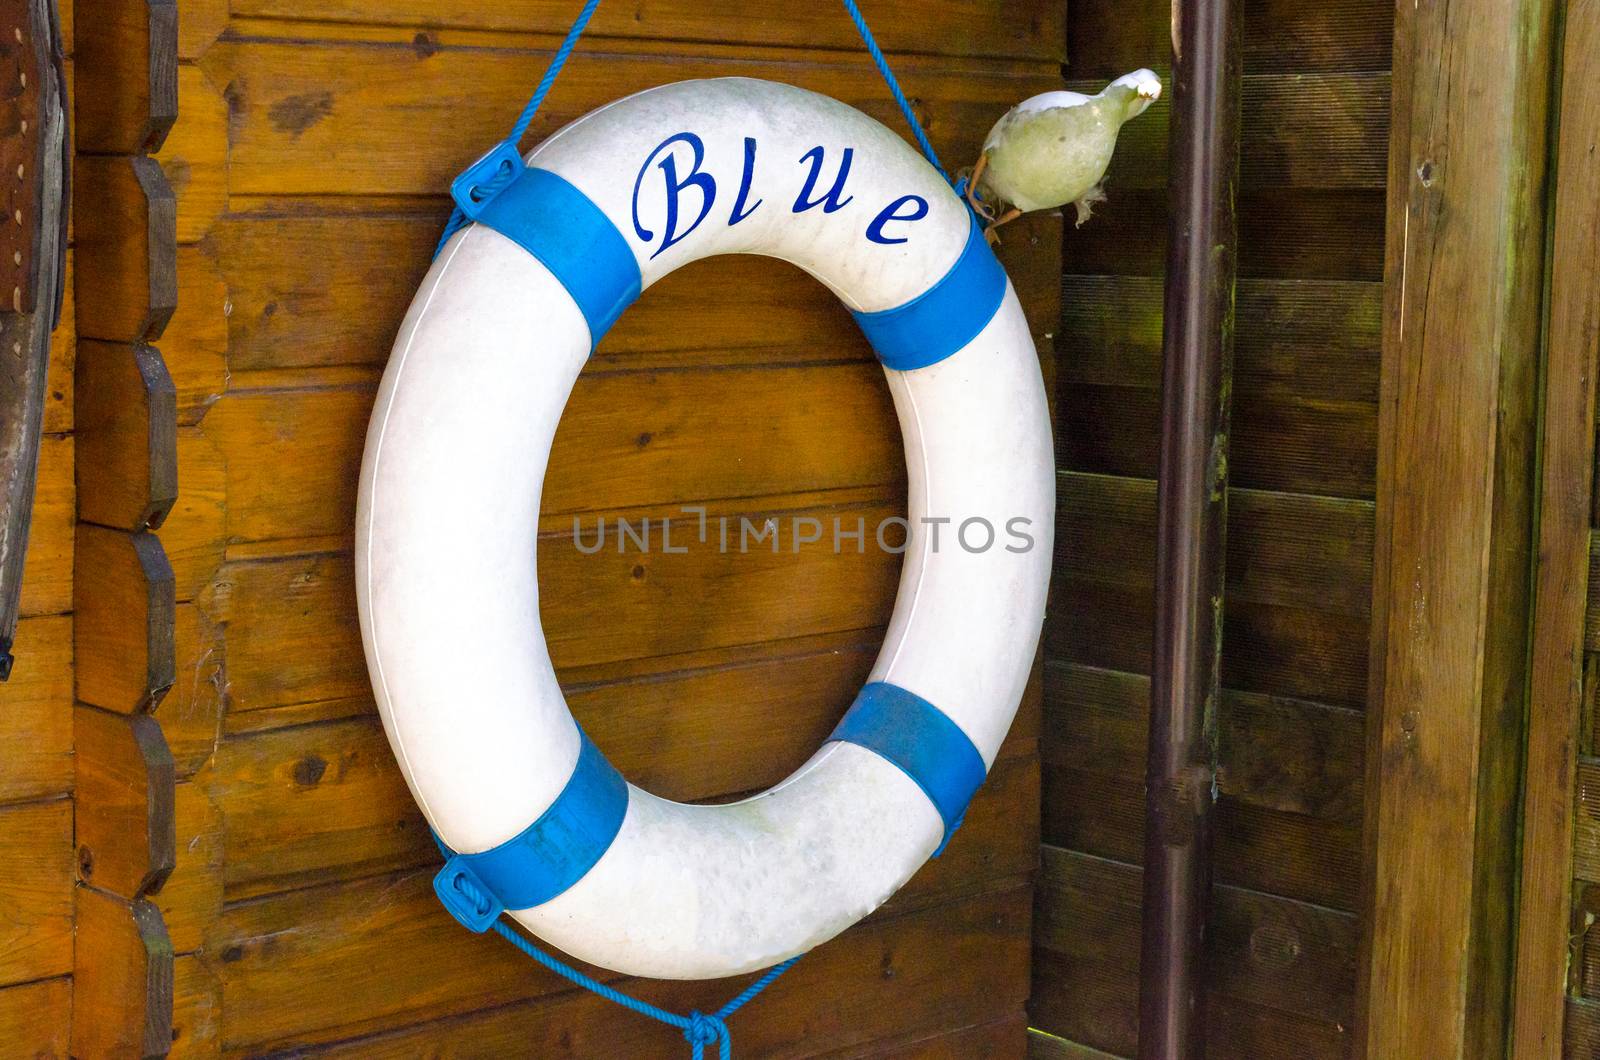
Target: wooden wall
[
  {"x": 36, "y": 766},
  {"x": 313, "y": 142},
  {"x": 1284, "y": 930}
]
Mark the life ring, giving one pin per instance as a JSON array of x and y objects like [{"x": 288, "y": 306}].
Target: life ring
[{"x": 449, "y": 502}]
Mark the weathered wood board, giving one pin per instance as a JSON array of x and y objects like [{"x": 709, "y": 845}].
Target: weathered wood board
[{"x": 1302, "y": 463}]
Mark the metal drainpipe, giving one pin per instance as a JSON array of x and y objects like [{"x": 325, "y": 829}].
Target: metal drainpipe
[{"x": 1191, "y": 523}]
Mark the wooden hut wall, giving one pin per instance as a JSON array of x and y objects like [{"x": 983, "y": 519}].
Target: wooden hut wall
[
  {"x": 1283, "y": 943},
  {"x": 313, "y": 142},
  {"x": 36, "y": 768}
]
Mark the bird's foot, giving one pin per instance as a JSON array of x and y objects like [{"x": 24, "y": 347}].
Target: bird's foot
[
  {"x": 979, "y": 207},
  {"x": 989, "y": 233}
]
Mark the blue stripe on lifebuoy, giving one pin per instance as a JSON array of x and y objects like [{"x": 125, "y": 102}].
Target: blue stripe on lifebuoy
[
  {"x": 917, "y": 736},
  {"x": 550, "y": 855},
  {"x": 944, "y": 318},
  {"x": 573, "y": 238}
]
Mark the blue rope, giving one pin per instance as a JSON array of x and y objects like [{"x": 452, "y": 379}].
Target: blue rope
[
  {"x": 458, "y": 220},
  {"x": 699, "y": 1029},
  {"x": 894, "y": 87}
]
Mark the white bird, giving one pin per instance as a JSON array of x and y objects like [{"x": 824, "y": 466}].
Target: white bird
[{"x": 1053, "y": 149}]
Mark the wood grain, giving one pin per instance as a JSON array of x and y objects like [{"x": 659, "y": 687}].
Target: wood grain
[
  {"x": 36, "y": 737},
  {"x": 123, "y": 620},
  {"x": 306, "y": 289},
  {"x": 123, "y": 977},
  {"x": 36, "y": 894},
  {"x": 1031, "y": 29},
  {"x": 124, "y": 790},
  {"x": 1287, "y": 962},
  {"x": 1456, "y": 462},
  {"x": 35, "y": 1017},
  {"x": 320, "y": 117},
  {"x": 126, "y": 414},
  {"x": 125, "y": 237},
  {"x": 385, "y": 938},
  {"x": 1564, "y": 571},
  {"x": 47, "y": 568},
  {"x": 1108, "y": 38},
  {"x": 126, "y": 72}
]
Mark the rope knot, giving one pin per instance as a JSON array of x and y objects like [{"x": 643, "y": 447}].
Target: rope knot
[{"x": 703, "y": 1030}]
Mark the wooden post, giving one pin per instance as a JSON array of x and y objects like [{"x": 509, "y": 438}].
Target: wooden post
[
  {"x": 1572, "y": 340},
  {"x": 124, "y": 589},
  {"x": 1463, "y": 273},
  {"x": 1191, "y": 519}
]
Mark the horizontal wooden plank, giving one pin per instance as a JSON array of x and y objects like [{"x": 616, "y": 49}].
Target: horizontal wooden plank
[
  {"x": 1297, "y": 130},
  {"x": 1283, "y": 549},
  {"x": 1298, "y": 856},
  {"x": 302, "y": 642},
  {"x": 1290, "y": 444},
  {"x": 322, "y": 117},
  {"x": 36, "y": 890},
  {"x": 386, "y": 939},
  {"x": 1581, "y": 1035},
  {"x": 35, "y": 1017},
  {"x": 47, "y": 568},
  {"x": 316, "y": 803},
  {"x": 288, "y": 288},
  {"x": 292, "y": 458},
  {"x": 1032, "y": 29},
  {"x": 36, "y": 721},
  {"x": 1110, "y": 37},
  {"x": 1312, "y": 340},
  {"x": 1277, "y": 753},
  {"x": 1285, "y": 956},
  {"x": 1274, "y": 649},
  {"x": 1284, "y": 233}
]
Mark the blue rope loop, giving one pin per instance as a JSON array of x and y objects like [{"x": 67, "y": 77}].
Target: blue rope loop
[
  {"x": 480, "y": 183},
  {"x": 699, "y": 1029},
  {"x": 487, "y": 186}
]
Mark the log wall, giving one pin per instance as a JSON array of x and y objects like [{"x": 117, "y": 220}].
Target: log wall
[
  {"x": 1281, "y": 965},
  {"x": 305, "y": 169}
]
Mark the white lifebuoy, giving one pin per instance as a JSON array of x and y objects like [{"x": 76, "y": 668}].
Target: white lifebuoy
[{"x": 449, "y": 506}]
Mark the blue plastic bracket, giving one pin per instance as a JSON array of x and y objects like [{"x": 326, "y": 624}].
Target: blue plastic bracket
[
  {"x": 474, "y": 906},
  {"x": 497, "y": 168}
]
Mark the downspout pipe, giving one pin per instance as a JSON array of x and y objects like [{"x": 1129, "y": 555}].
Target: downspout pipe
[{"x": 1191, "y": 525}]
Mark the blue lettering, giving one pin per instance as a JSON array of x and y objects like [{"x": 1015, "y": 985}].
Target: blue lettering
[
  {"x": 831, "y": 201},
  {"x": 669, "y": 170},
  {"x": 919, "y": 210},
  {"x": 739, "y": 212}
]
